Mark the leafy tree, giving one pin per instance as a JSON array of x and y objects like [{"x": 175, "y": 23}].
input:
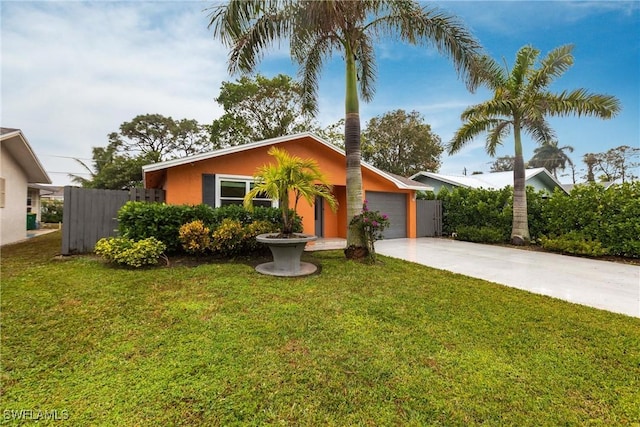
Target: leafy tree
[
  {"x": 146, "y": 139},
  {"x": 401, "y": 143},
  {"x": 617, "y": 163},
  {"x": 259, "y": 108},
  {"x": 334, "y": 133},
  {"x": 113, "y": 169},
  {"x": 189, "y": 138},
  {"x": 121, "y": 174},
  {"x": 160, "y": 138},
  {"x": 551, "y": 157},
  {"x": 503, "y": 164},
  {"x": 521, "y": 102},
  {"x": 317, "y": 30}
]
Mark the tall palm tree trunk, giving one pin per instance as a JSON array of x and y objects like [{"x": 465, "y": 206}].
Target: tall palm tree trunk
[
  {"x": 520, "y": 226},
  {"x": 352, "y": 149}
]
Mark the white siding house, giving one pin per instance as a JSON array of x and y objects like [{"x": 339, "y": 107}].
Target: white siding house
[
  {"x": 539, "y": 179},
  {"x": 19, "y": 167}
]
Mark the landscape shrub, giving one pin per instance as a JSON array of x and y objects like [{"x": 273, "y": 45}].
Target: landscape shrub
[
  {"x": 254, "y": 229},
  {"x": 480, "y": 234},
  {"x": 51, "y": 210},
  {"x": 259, "y": 213},
  {"x": 574, "y": 243},
  {"x": 232, "y": 238},
  {"x": 124, "y": 251},
  {"x": 482, "y": 208},
  {"x": 139, "y": 220},
  {"x": 536, "y": 203},
  {"x": 606, "y": 215},
  {"x": 476, "y": 208},
  {"x": 229, "y": 238},
  {"x": 195, "y": 237}
]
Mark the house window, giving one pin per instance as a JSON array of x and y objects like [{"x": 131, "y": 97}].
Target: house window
[{"x": 232, "y": 189}]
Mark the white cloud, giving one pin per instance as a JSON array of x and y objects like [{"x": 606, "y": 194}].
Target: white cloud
[
  {"x": 78, "y": 70},
  {"x": 74, "y": 71}
]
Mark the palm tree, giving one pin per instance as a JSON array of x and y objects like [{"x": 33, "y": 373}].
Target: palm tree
[
  {"x": 290, "y": 174},
  {"x": 590, "y": 160},
  {"x": 316, "y": 30},
  {"x": 521, "y": 102},
  {"x": 551, "y": 157}
]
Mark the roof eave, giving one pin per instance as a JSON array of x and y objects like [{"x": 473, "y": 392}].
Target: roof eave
[
  {"x": 27, "y": 158},
  {"x": 239, "y": 148}
]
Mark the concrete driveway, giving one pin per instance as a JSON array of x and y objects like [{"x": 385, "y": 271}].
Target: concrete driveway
[{"x": 601, "y": 284}]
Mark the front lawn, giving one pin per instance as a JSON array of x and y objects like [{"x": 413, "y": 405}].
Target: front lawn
[{"x": 218, "y": 344}]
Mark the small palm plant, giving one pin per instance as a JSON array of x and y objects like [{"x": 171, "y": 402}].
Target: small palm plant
[{"x": 290, "y": 176}]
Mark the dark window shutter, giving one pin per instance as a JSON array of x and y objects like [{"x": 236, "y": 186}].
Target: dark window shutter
[{"x": 209, "y": 189}]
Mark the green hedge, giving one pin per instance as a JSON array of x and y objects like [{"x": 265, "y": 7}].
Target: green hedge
[
  {"x": 610, "y": 216},
  {"x": 140, "y": 220},
  {"x": 480, "y": 208},
  {"x": 470, "y": 233},
  {"x": 574, "y": 243},
  {"x": 592, "y": 220}
]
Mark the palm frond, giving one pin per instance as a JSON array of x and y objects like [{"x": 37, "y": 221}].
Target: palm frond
[
  {"x": 250, "y": 27},
  {"x": 310, "y": 55},
  {"x": 539, "y": 130},
  {"x": 468, "y": 131},
  {"x": 496, "y": 135},
  {"x": 552, "y": 66},
  {"x": 431, "y": 27},
  {"x": 290, "y": 173},
  {"x": 489, "y": 73},
  {"x": 492, "y": 108},
  {"x": 366, "y": 66},
  {"x": 525, "y": 60},
  {"x": 451, "y": 38},
  {"x": 582, "y": 103}
]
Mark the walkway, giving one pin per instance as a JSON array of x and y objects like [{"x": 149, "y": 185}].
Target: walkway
[{"x": 601, "y": 284}]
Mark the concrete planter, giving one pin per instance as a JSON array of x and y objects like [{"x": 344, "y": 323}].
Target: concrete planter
[{"x": 286, "y": 255}]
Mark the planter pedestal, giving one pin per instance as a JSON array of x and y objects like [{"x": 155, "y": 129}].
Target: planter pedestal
[{"x": 286, "y": 256}]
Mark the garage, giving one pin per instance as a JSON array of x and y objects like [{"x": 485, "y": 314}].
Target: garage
[{"x": 394, "y": 205}]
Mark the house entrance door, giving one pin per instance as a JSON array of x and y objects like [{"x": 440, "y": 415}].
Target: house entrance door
[{"x": 319, "y": 216}]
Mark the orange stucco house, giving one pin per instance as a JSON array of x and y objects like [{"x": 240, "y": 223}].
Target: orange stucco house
[{"x": 224, "y": 176}]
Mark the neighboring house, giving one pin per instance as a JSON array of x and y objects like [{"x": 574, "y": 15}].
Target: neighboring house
[
  {"x": 569, "y": 187},
  {"x": 224, "y": 176},
  {"x": 50, "y": 192},
  {"x": 538, "y": 178},
  {"x": 19, "y": 167}
]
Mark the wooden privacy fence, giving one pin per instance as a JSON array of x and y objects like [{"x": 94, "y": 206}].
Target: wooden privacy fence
[
  {"x": 90, "y": 214},
  {"x": 429, "y": 218}
]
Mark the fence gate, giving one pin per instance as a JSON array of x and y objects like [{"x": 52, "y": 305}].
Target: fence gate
[
  {"x": 429, "y": 218},
  {"x": 90, "y": 214}
]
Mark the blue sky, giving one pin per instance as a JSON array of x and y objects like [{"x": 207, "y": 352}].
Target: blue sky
[{"x": 72, "y": 72}]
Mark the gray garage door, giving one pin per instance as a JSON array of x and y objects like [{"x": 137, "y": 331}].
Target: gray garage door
[{"x": 395, "y": 206}]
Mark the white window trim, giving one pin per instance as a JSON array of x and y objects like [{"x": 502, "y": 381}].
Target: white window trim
[{"x": 236, "y": 178}]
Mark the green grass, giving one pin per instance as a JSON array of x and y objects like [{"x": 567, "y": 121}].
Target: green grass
[{"x": 219, "y": 344}]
